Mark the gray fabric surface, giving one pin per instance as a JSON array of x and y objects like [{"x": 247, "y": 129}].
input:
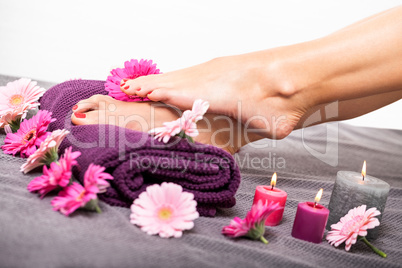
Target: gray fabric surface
[{"x": 32, "y": 235}]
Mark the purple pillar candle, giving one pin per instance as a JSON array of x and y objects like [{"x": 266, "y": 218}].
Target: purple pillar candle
[{"x": 310, "y": 221}]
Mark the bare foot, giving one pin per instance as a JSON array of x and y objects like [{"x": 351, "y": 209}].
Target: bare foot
[
  {"x": 220, "y": 131},
  {"x": 244, "y": 87}
]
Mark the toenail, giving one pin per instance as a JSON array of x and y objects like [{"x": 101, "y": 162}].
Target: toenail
[
  {"x": 138, "y": 89},
  {"x": 125, "y": 80},
  {"x": 80, "y": 115},
  {"x": 75, "y": 107},
  {"x": 126, "y": 87}
]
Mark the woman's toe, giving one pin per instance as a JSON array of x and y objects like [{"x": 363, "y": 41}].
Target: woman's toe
[{"x": 86, "y": 118}]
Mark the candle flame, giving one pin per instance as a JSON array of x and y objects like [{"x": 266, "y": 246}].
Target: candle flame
[
  {"x": 364, "y": 169},
  {"x": 318, "y": 196},
  {"x": 273, "y": 180}
]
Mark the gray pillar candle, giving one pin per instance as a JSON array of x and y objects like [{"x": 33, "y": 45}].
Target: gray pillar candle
[{"x": 350, "y": 191}]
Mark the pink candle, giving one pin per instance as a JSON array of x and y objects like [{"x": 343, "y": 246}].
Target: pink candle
[
  {"x": 270, "y": 193},
  {"x": 310, "y": 221}
]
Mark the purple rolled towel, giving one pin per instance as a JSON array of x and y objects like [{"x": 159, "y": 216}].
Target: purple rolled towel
[{"x": 135, "y": 159}]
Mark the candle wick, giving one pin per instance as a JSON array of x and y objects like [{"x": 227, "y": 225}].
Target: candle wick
[
  {"x": 315, "y": 204},
  {"x": 272, "y": 187},
  {"x": 363, "y": 177}
]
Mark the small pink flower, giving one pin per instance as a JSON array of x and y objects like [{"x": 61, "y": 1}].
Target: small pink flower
[
  {"x": 352, "y": 225},
  {"x": 168, "y": 130},
  {"x": 58, "y": 175},
  {"x": 47, "y": 152},
  {"x": 95, "y": 179},
  {"x": 11, "y": 120},
  {"x": 132, "y": 69},
  {"x": 31, "y": 134},
  {"x": 253, "y": 226},
  {"x": 71, "y": 198},
  {"x": 18, "y": 93},
  {"x": 165, "y": 210}
]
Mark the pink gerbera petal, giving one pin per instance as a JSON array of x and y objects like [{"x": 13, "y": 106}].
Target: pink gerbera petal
[
  {"x": 159, "y": 211},
  {"x": 132, "y": 69},
  {"x": 95, "y": 179}
]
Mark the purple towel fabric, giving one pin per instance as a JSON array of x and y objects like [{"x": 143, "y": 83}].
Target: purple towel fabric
[{"x": 137, "y": 160}]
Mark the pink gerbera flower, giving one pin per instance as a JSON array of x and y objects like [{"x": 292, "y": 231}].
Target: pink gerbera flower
[
  {"x": 165, "y": 210},
  {"x": 58, "y": 175},
  {"x": 31, "y": 134},
  {"x": 72, "y": 198},
  {"x": 95, "y": 179},
  {"x": 354, "y": 226},
  {"x": 47, "y": 152},
  {"x": 132, "y": 69},
  {"x": 11, "y": 120},
  {"x": 253, "y": 226},
  {"x": 19, "y": 92}
]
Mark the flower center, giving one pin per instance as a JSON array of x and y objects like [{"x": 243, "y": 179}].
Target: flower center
[
  {"x": 16, "y": 100},
  {"x": 165, "y": 213},
  {"x": 351, "y": 225},
  {"x": 31, "y": 134},
  {"x": 80, "y": 196}
]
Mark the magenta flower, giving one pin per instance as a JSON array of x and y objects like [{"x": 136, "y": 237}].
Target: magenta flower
[
  {"x": 18, "y": 93},
  {"x": 47, "y": 152},
  {"x": 253, "y": 226},
  {"x": 76, "y": 196},
  {"x": 353, "y": 226},
  {"x": 95, "y": 179},
  {"x": 132, "y": 69},
  {"x": 165, "y": 210},
  {"x": 57, "y": 176},
  {"x": 31, "y": 134},
  {"x": 72, "y": 198}
]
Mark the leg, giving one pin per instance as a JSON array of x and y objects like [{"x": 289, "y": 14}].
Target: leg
[
  {"x": 218, "y": 130},
  {"x": 284, "y": 83}
]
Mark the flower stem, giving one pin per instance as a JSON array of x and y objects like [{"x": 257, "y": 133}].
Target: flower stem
[
  {"x": 376, "y": 250},
  {"x": 263, "y": 240}
]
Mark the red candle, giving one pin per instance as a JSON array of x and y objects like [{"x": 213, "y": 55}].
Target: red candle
[
  {"x": 310, "y": 220},
  {"x": 270, "y": 193}
]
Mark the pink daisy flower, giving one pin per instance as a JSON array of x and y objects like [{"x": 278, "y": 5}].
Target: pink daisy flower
[
  {"x": 47, "y": 152},
  {"x": 19, "y": 92},
  {"x": 11, "y": 120},
  {"x": 132, "y": 69},
  {"x": 354, "y": 226},
  {"x": 95, "y": 179},
  {"x": 31, "y": 134},
  {"x": 253, "y": 226},
  {"x": 165, "y": 210},
  {"x": 72, "y": 198},
  {"x": 58, "y": 175}
]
